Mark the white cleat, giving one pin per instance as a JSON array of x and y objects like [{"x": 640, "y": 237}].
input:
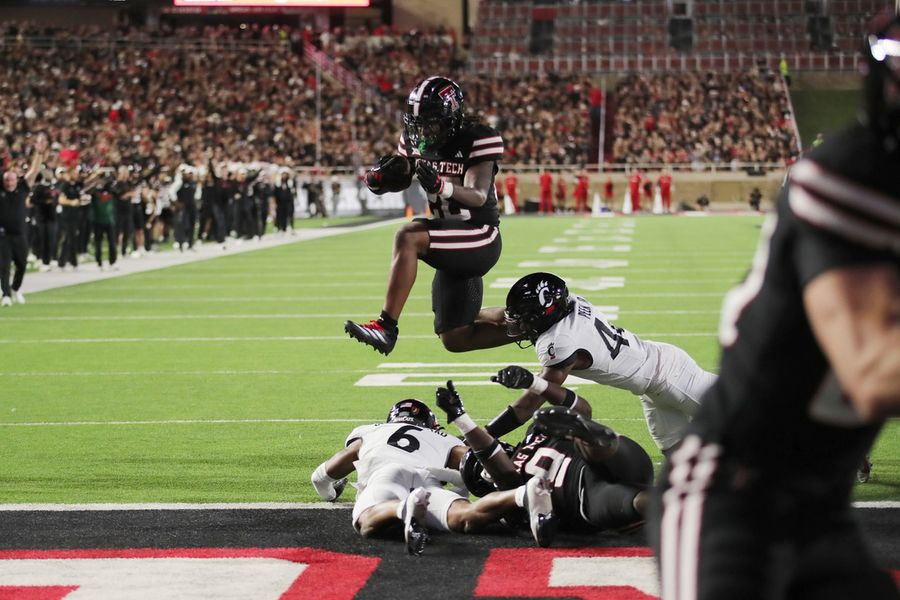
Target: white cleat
[
  {"x": 18, "y": 297},
  {"x": 413, "y": 516},
  {"x": 7, "y": 301},
  {"x": 539, "y": 505}
]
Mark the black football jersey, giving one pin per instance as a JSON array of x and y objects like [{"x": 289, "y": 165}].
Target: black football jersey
[
  {"x": 475, "y": 143},
  {"x": 777, "y": 405},
  {"x": 538, "y": 453}
]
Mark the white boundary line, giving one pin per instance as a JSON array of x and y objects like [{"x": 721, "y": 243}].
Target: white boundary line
[
  {"x": 176, "y": 506},
  {"x": 39, "y": 282},
  {"x": 231, "y": 422},
  {"x": 880, "y": 505},
  {"x": 286, "y": 338}
]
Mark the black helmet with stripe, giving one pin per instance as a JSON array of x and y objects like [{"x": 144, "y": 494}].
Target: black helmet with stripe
[
  {"x": 434, "y": 114},
  {"x": 414, "y": 412}
]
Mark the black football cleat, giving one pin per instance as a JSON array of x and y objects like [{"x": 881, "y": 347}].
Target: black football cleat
[
  {"x": 374, "y": 333},
  {"x": 413, "y": 515},
  {"x": 558, "y": 421},
  {"x": 539, "y": 506}
]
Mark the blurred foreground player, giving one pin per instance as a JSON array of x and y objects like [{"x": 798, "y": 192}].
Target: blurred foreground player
[
  {"x": 756, "y": 501},
  {"x": 455, "y": 160}
]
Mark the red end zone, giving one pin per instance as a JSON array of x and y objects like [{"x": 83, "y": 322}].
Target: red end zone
[{"x": 630, "y": 579}]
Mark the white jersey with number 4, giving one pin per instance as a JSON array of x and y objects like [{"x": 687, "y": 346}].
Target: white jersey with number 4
[
  {"x": 400, "y": 444},
  {"x": 666, "y": 378}
]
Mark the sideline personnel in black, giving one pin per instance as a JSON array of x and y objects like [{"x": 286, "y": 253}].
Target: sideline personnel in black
[
  {"x": 13, "y": 247},
  {"x": 756, "y": 501}
]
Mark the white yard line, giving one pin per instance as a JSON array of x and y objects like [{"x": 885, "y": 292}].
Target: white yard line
[
  {"x": 155, "y": 300},
  {"x": 273, "y": 338},
  {"x": 223, "y": 372},
  {"x": 216, "y": 317},
  {"x": 205, "y": 317}
]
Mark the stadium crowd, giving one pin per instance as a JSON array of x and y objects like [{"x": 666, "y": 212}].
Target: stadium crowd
[{"x": 705, "y": 117}]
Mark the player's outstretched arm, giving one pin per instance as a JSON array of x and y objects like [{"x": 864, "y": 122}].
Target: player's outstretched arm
[
  {"x": 855, "y": 314},
  {"x": 330, "y": 477},
  {"x": 486, "y": 448},
  {"x": 518, "y": 413}
]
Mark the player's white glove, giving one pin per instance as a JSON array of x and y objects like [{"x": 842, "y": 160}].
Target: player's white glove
[{"x": 326, "y": 486}]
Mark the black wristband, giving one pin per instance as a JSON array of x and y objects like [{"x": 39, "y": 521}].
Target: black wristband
[
  {"x": 504, "y": 423},
  {"x": 486, "y": 453},
  {"x": 571, "y": 399}
]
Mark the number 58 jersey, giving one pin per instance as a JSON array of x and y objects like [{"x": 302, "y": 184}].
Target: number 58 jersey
[{"x": 400, "y": 443}]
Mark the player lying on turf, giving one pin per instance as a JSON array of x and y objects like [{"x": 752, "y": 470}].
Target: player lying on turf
[
  {"x": 401, "y": 466},
  {"x": 570, "y": 335},
  {"x": 598, "y": 479}
]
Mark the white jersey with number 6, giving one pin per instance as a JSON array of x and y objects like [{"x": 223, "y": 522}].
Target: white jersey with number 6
[
  {"x": 668, "y": 381},
  {"x": 400, "y": 444}
]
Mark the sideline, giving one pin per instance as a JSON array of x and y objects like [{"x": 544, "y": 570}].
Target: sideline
[
  {"x": 89, "y": 271},
  {"x": 254, "y": 506}
]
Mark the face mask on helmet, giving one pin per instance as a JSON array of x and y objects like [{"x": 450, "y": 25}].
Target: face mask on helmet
[
  {"x": 534, "y": 304},
  {"x": 882, "y": 84},
  {"x": 434, "y": 114},
  {"x": 413, "y": 412}
]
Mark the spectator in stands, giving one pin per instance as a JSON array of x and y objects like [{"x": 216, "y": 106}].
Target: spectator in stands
[{"x": 692, "y": 118}]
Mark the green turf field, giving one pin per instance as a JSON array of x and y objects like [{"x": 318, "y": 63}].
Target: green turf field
[{"x": 229, "y": 380}]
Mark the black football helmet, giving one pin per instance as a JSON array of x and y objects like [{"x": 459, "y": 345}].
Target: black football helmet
[
  {"x": 882, "y": 81},
  {"x": 476, "y": 479},
  {"x": 534, "y": 304},
  {"x": 414, "y": 412},
  {"x": 434, "y": 114}
]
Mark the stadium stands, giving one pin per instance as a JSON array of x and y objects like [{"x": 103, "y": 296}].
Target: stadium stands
[{"x": 720, "y": 35}]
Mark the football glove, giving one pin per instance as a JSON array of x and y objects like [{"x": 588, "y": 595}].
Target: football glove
[
  {"x": 393, "y": 173},
  {"x": 326, "y": 486},
  {"x": 431, "y": 181},
  {"x": 514, "y": 377},
  {"x": 448, "y": 400}
]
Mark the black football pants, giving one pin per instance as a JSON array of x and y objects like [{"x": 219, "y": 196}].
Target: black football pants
[{"x": 13, "y": 250}]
